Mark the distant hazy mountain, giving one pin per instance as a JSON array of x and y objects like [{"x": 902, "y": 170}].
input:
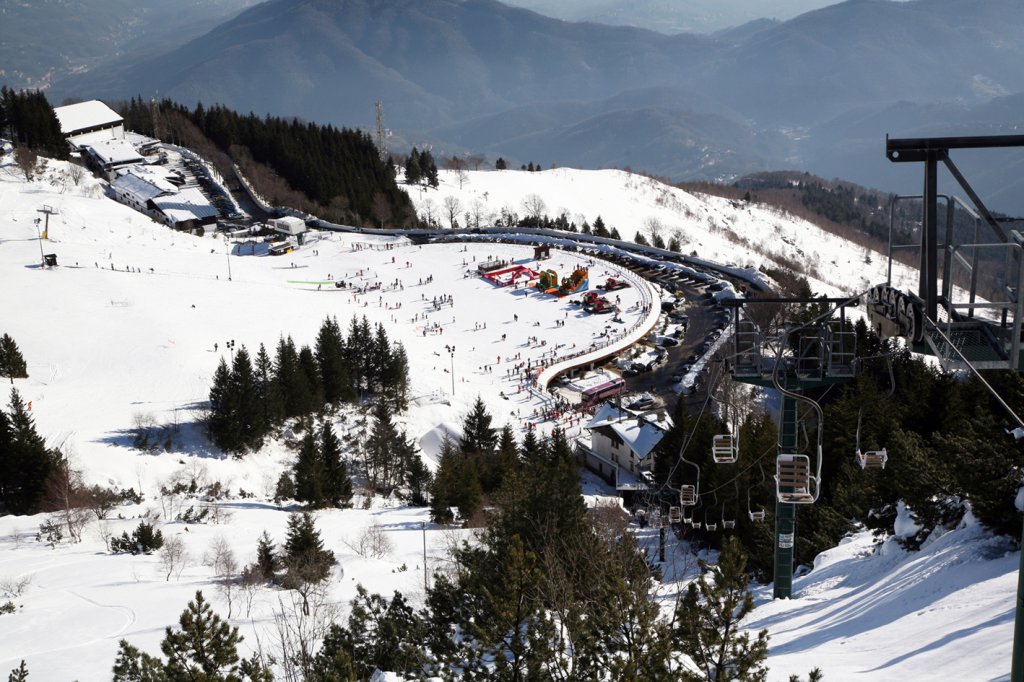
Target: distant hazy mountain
[
  {"x": 45, "y": 40},
  {"x": 819, "y": 91},
  {"x": 672, "y": 16}
]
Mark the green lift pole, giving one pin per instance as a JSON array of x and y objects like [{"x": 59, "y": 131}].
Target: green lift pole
[
  {"x": 1017, "y": 661},
  {"x": 785, "y": 512}
]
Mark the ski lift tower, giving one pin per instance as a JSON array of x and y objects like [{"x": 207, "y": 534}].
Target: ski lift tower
[
  {"x": 946, "y": 317},
  {"x": 798, "y": 358}
]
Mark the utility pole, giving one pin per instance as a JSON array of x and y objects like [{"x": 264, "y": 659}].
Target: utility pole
[
  {"x": 227, "y": 250},
  {"x": 423, "y": 528},
  {"x": 382, "y": 149}
]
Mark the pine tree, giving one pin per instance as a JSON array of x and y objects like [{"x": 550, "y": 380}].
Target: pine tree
[
  {"x": 19, "y": 674},
  {"x": 25, "y": 461},
  {"x": 707, "y": 622},
  {"x": 267, "y": 560},
  {"x": 615, "y": 234},
  {"x": 332, "y": 363},
  {"x": 478, "y": 436},
  {"x": 640, "y": 239},
  {"x": 248, "y": 416},
  {"x": 305, "y": 558},
  {"x": 12, "y": 364},
  {"x": 268, "y": 392},
  {"x": 599, "y": 228},
  {"x": 220, "y": 426},
  {"x": 443, "y": 489},
  {"x": 310, "y": 475},
  {"x": 413, "y": 172},
  {"x": 337, "y": 485},
  {"x": 204, "y": 648},
  {"x": 500, "y": 164}
]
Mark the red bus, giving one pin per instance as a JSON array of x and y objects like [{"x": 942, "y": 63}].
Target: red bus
[{"x": 598, "y": 394}]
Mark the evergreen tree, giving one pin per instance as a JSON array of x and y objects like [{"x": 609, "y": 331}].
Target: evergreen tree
[
  {"x": 25, "y": 461},
  {"x": 396, "y": 379},
  {"x": 204, "y": 648},
  {"x": 337, "y": 485},
  {"x": 444, "y": 488},
  {"x": 311, "y": 373},
  {"x": 248, "y": 417},
  {"x": 379, "y": 359},
  {"x": 332, "y": 363},
  {"x": 413, "y": 172},
  {"x": 267, "y": 560},
  {"x": 381, "y": 454},
  {"x": 707, "y": 622},
  {"x": 221, "y": 427},
  {"x": 305, "y": 558},
  {"x": 501, "y": 164},
  {"x": 380, "y": 635},
  {"x": 599, "y": 228},
  {"x": 268, "y": 391},
  {"x": 12, "y": 364},
  {"x": 615, "y": 234},
  {"x": 292, "y": 382},
  {"x": 310, "y": 474},
  {"x": 640, "y": 239},
  {"x": 478, "y": 436},
  {"x": 19, "y": 674}
]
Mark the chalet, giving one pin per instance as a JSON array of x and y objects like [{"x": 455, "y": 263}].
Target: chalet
[
  {"x": 622, "y": 444},
  {"x": 88, "y": 122},
  {"x": 107, "y": 157},
  {"x": 158, "y": 196}
]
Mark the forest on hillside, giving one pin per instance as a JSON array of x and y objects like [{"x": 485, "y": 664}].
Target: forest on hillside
[{"x": 335, "y": 173}]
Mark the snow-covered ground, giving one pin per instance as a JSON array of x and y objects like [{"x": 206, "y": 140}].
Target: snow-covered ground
[
  {"x": 717, "y": 229},
  {"x": 124, "y": 330}
]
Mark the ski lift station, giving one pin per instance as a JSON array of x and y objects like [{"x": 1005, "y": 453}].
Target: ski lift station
[{"x": 290, "y": 226}]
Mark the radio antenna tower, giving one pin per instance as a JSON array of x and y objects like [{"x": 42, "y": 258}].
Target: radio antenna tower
[{"x": 381, "y": 146}]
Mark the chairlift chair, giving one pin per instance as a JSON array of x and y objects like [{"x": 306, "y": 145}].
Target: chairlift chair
[
  {"x": 724, "y": 449},
  {"x": 688, "y": 495},
  {"x": 793, "y": 479},
  {"x": 727, "y": 523},
  {"x": 758, "y": 515},
  {"x": 675, "y": 515},
  {"x": 710, "y": 525},
  {"x": 874, "y": 459}
]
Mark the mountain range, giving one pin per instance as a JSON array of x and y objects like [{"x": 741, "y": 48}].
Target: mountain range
[{"x": 817, "y": 92}]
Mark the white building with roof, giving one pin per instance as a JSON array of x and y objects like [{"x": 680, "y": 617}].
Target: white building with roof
[
  {"x": 109, "y": 156},
  {"x": 150, "y": 191},
  {"x": 89, "y": 118},
  {"x": 622, "y": 443}
]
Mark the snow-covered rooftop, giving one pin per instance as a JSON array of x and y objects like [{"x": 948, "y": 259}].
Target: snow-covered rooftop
[
  {"x": 186, "y": 204},
  {"x": 639, "y": 434},
  {"x": 115, "y": 152},
  {"x": 84, "y": 115},
  {"x": 143, "y": 190}
]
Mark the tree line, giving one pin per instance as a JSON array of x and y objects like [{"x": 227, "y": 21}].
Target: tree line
[
  {"x": 338, "y": 169},
  {"x": 549, "y": 590},
  {"x": 250, "y": 399},
  {"x": 27, "y": 119}
]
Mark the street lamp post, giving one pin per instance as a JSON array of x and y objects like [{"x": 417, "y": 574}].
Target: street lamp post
[
  {"x": 451, "y": 356},
  {"x": 39, "y": 236}
]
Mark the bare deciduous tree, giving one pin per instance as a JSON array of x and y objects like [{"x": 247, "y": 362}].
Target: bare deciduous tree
[
  {"x": 173, "y": 557},
  {"x": 67, "y": 497},
  {"x": 372, "y": 543},
  {"x": 26, "y": 159},
  {"x": 221, "y": 560},
  {"x": 76, "y": 173},
  {"x": 534, "y": 206},
  {"x": 300, "y": 624},
  {"x": 452, "y": 207}
]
